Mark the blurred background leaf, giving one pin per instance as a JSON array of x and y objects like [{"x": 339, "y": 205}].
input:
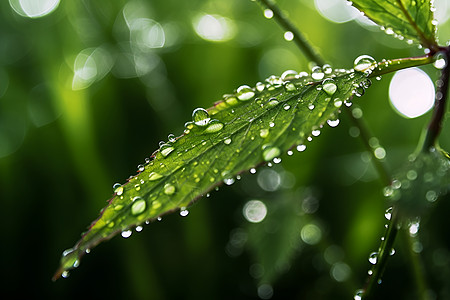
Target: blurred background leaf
[{"x": 86, "y": 93}]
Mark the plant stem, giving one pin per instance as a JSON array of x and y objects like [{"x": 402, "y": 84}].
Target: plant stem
[
  {"x": 365, "y": 137},
  {"x": 384, "y": 252},
  {"x": 299, "y": 38},
  {"x": 392, "y": 65},
  {"x": 416, "y": 265},
  {"x": 435, "y": 125}
]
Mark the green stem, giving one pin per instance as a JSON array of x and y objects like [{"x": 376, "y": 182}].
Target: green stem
[
  {"x": 435, "y": 125},
  {"x": 392, "y": 65},
  {"x": 383, "y": 255},
  {"x": 416, "y": 264},
  {"x": 299, "y": 38},
  {"x": 365, "y": 135}
]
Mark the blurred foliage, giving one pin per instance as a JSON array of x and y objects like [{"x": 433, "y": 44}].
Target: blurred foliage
[{"x": 63, "y": 143}]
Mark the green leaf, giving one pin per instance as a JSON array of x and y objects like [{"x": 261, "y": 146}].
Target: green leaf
[
  {"x": 419, "y": 184},
  {"x": 412, "y": 20},
  {"x": 245, "y": 129}
]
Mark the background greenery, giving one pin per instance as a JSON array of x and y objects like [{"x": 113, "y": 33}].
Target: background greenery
[{"x": 61, "y": 150}]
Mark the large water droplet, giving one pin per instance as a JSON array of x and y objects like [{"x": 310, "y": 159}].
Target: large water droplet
[
  {"x": 169, "y": 189},
  {"x": 166, "y": 149},
  {"x": 388, "y": 213},
  {"x": 270, "y": 152},
  {"x": 200, "y": 117},
  {"x": 329, "y": 86},
  {"x": 139, "y": 206},
  {"x": 244, "y": 93},
  {"x": 317, "y": 73},
  {"x": 364, "y": 63},
  {"x": 214, "y": 126},
  {"x": 373, "y": 258},
  {"x": 288, "y": 74}
]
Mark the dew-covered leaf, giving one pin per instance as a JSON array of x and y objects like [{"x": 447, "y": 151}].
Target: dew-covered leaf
[
  {"x": 411, "y": 20},
  {"x": 252, "y": 126},
  {"x": 420, "y": 183}
]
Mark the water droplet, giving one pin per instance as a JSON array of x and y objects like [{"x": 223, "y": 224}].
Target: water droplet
[
  {"x": 184, "y": 212},
  {"x": 358, "y": 91},
  {"x": 373, "y": 258},
  {"x": 440, "y": 61},
  {"x": 337, "y": 102},
  {"x": 268, "y": 13},
  {"x": 252, "y": 170},
  {"x": 288, "y": 74},
  {"x": 289, "y": 86},
  {"x": 290, "y": 152},
  {"x": 228, "y": 180},
  {"x": 65, "y": 274},
  {"x": 126, "y": 233},
  {"x": 358, "y": 295},
  {"x": 327, "y": 69},
  {"x": 139, "y": 228},
  {"x": 366, "y": 83},
  {"x": 260, "y": 86},
  {"x": 315, "y": 132},
  {"x": 171, "y": 137},
  {"x": 364, "y": 63},
  {"x": 139, "y": 206},
  {"x": 214, "y": 126},
  {"x": 154, "y": 176},
  {"x": 333, "y": 123},
  {"x": 317, "y": 73},
  {"x": 311, "y": 106},
  {"x": 227, "y": 141},
  {"x": 169, "y": 189},
  {"x": 301, "y": 148},
  {"x": 271, "y": 124},
  {"x": 264, "y": 133},
  {"x": 200, "y": 117},
  {"x": 137, "y": 187},
  {"x": 288, "y": 36},
  {"x": 388, "y": 213},
  {"x": 166, "y": 149},
  {"x": 272, "y": 102},
  {"x": 189, "y": 125},
  {"x": 270, "y": 152},
  {"x": 276, "y": 160},
  {"x": 118, "y": 189},
  {"x": 286, "y": 107},
  {"x": 392, "y": 252},
  {"x": 244, "y": 93},
  {"x": 140, "y": 168},
  {"x": 329, "y": 86}
]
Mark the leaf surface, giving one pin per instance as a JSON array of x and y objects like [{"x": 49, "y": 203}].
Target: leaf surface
[
  {"x": 250, "y": 127},
  {"x": 412, "y": 20}
]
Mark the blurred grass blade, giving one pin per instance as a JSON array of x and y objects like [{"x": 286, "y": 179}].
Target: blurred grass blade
[
  {"x": 247, "y": 128},
  {"x": 412, "y": 20}
]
